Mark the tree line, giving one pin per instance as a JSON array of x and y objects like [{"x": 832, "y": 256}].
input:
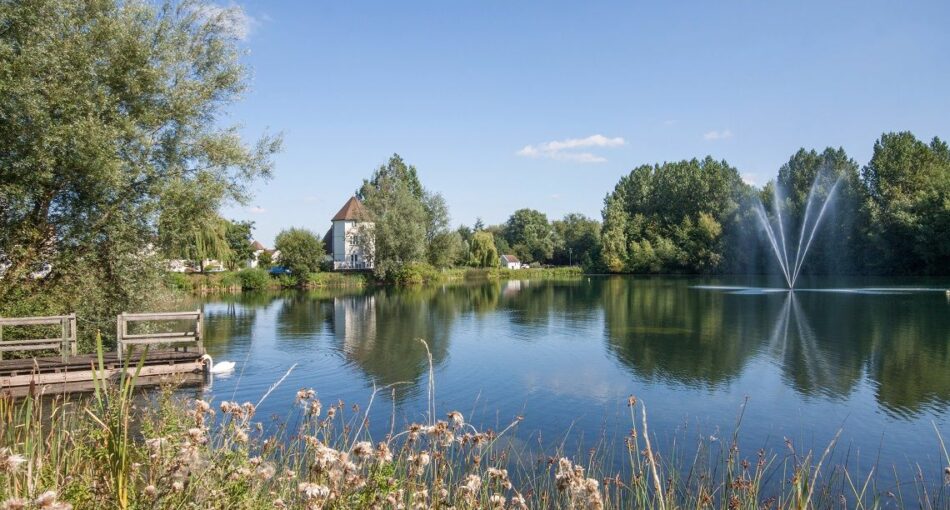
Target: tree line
[{"x": 891, "y": 216}]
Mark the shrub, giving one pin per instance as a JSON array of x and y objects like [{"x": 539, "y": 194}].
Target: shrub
[
  {"x": 254, "y": 279},
  {"x": 415, "y": 273},
  {"x": 336, "y": 280},
  {"x": 229, "y": 281},
  {"x": 287, "y": 281},
  {"x": 178, "y": 281}
]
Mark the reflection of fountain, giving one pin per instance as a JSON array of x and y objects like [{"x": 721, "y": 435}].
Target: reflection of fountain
[
  {"x": 792, "y": 267},
  {"x": 815, "y": 363}
]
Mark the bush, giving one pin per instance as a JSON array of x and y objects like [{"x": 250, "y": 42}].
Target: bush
[
  {"x": 415, "y": 274},
  {"x": 178, "y": 281},
  {"x": 287, "y": 281},
  {"x": 254, "y": 279},
  {"x": 229, "y": 281},
  {"x": 336, "y": 280}
]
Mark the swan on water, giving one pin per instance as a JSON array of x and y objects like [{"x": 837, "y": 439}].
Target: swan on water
[{"x": 221, "y": 367}]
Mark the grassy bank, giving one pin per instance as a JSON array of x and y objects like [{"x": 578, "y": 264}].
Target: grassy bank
[
  {"x": 259, "y": 279},
  {"x": 116, "y": 450}
]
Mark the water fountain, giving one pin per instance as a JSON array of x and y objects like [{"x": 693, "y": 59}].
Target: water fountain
[{"x": 791, "y": 267}]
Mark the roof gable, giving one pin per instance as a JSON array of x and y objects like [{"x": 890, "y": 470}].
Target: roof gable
[
  {"x": 352, "y": 210},
  {"x": 509, "y": 259}
]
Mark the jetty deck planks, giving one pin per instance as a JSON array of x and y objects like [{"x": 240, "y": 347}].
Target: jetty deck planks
[{"x": 52, "y": 374}]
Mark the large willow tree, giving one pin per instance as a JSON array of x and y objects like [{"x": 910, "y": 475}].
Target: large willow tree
[{"x": 111, "y": 119}]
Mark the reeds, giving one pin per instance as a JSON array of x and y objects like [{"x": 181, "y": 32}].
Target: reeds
[{"x": 120, "y": 449}]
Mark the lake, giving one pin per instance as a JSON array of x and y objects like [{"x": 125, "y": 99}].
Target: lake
[{"x": 868, "y": 357}]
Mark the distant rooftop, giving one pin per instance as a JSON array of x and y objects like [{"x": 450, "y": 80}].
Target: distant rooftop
[{"x": 352, "y": 210}]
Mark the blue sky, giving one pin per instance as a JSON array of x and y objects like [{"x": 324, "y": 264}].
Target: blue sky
[{"x": 503, "y": 105}]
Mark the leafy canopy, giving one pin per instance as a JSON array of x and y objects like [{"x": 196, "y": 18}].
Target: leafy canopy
[{"x": 112, "y": 139}]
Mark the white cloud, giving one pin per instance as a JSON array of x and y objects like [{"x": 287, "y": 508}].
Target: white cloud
[
  {"x": 257, "y": 210},
  {"x": 564, "y": 150},
  {"x": 556, "y": 196},
  {"x": 232, "y": 19},
  {"x": 749, "y": 179},
  {"x": 718, "y": 135},
  {"x": 669, "y": 122}
]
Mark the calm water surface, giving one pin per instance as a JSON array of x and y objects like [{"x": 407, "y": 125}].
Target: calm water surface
[{"x": 872, "y": 359}]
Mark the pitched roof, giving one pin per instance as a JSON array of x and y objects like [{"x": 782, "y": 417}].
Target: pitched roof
[
  {"x": 352, "y": 210},
  {"x": 256, "y": 246},
  {"x": 509, "y": 258}
]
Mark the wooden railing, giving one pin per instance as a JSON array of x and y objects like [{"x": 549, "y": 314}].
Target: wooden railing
[
  {"x": 66, "y": 342},
  {"x": 179, "y": 339}
]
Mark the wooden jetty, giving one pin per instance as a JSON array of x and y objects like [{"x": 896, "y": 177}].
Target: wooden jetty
[{"x": 171, "y": 357}]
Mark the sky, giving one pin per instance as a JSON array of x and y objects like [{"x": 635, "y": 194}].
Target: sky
[{"x": 503, "y": 105}]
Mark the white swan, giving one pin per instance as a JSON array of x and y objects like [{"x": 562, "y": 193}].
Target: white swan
[{"x": 221, "y": 367}]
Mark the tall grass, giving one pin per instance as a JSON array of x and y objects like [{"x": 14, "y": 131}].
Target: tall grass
[{"x": 122, "y": 449}]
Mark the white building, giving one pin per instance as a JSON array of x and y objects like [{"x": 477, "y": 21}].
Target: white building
[
  {"x": 510, "y": 262},
  {"x": 342, "y": 240}
]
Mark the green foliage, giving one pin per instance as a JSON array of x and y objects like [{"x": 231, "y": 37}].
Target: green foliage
[
  {"x": 286, "y": 281},
  {"x": 483, "y": 252},
  {"x": 445, "y": 249},
  {"x": 405, "y": 218},
  {"x": 415, "y": 273},
  {"x": 123, "y": 144},
  {"x": 325, "y": 279},
  {"x": 908, "y": 198},
  {"x": 254, "y": 279},
  {"x": 301, "y": 251},
  {"x": 530, "y": 235},
  {"x": 577, "y": 241},
  {"x": 672, "y": 217},
  {"x": 239, "y": 241},
  {"x": 265, "y": 260},
  {"x": 178, "y": 281}
]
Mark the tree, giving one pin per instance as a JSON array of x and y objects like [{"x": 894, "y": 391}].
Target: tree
[
  {"x": 672, "y": 217},
  {"x": 445, "y": 249},
  {"x": 239, "y": 241},
  {"x": 301, "y": 251},
  {"x": 530, "y": 235},
  {"x": 839, "y": 242},
  {"x": 265, "y": 260},
  {"x": 398, "y": 235},
  {"x": 411, "y": 223},
  {"x": 125, "y": 128},
  {"x": 614, "y": 235},
  {"x": 908, "y": 187},
  {"x": 483, "y": 252},
  {"x": 578, "y": 240}
]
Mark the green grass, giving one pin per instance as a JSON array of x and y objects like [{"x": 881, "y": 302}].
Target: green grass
[{"x": 415, "y": 274}]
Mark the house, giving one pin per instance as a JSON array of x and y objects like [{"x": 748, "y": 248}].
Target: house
[
  {"x": 510, "y": 262},
  {"x": 343, "y": 242},
  {"x": 257, "y": 249}
]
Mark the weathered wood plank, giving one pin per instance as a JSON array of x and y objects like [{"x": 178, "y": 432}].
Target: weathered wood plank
[
  {"x": 33, "y": 321},
  {"x": 187, "y": 335},
  {"x": 160, "y": 316}
]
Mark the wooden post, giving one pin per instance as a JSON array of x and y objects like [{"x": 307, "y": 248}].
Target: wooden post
[
  {"x": 64, "y": 335},
  {"x": 118, "y": 336},
  {"x": 199, "y": 332},
  {"x": 74, "y": 336}
]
